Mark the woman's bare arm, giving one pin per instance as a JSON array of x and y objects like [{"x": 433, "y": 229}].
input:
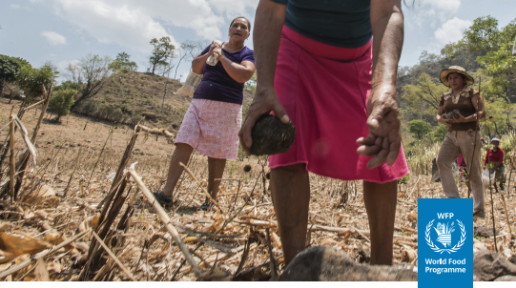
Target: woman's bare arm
[
  {"x": 269, "y": 20},
  {"x": 384, "y": 139},
  {"x": 440, "y": 116},
  {"x": 239, "y": 72}
]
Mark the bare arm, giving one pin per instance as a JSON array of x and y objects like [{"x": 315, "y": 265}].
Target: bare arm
[
  {"x": 269, "y": 20},
  {"x": 440, "y": 115},
  {"x": 387, "y": 25},
  {"x": 239, "y": 72},
  {"x": 384, "y": 139}
]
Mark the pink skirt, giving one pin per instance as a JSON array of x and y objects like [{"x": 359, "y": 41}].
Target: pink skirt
[
  {"x": 211, "y": 127},
  {"x": 324, "y": 90}
]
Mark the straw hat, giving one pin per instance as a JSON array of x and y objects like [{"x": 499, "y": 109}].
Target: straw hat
[{"x": 455, "y": 69}]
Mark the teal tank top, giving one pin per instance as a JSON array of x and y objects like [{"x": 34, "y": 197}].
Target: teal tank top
[{"x": 341, "y": 23}]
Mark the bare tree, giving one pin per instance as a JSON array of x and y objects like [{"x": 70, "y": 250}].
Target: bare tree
[
  {"x": 91, "y": 72},
  {"x": 73, "y": 72},
  {"x": 187, "y": 52}
]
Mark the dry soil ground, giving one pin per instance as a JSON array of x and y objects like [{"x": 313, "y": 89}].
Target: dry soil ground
[{"x": 337, "y": 213}]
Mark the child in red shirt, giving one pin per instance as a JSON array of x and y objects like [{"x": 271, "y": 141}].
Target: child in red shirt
[{"x": 495, "y": 157}]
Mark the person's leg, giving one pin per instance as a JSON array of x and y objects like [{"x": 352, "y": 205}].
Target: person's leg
[
  {"x": 180, "y": 155},
  {"x": 448, "y": 153},
  {"x": 215, "y": 171},
  {"x": 500, "y": 177},
  {"x": 466, "y": 142},
  {"x": 380, "y": 204},
  {"x": 290, "y": 187}
]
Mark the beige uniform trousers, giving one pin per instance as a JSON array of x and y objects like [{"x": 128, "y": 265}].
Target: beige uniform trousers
[{"x": 456, "y": 143}]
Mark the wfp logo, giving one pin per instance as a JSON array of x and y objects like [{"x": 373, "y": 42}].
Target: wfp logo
[
  {"x": 443, "y": 234},
  {"x": 444, "y": 231}
]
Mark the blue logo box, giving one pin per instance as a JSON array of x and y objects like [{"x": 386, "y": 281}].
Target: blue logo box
[{"x": 445, "y": 243}]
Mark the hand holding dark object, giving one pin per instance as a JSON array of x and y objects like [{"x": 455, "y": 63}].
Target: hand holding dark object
[
  {"x": 452, "y": 115},
  {"x": 384, "y": 139},
  {"x": 264, "y": 101},
  {"x": 457, "y": 118},
  {"x": 270, "y": 136}
]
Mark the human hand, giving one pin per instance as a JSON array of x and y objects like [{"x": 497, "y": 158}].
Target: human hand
[
  {"x": 264, "y": 101},
  {"x": 384, "y": 139},
  {"x": 217, "y": 51},
  {"x": 461, "y": 119},
  {"x": 213, "y": 46}
]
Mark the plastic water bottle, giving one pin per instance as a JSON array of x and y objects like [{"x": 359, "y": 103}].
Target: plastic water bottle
[{"x": 214, "y": 59}]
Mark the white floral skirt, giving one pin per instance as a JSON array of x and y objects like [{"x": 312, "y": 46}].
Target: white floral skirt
[{"x": 211, "y": 127}]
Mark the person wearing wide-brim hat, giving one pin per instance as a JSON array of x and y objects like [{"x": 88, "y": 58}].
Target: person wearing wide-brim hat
[
  {"x": 494, "y": 161},
  {"x": 459, "y": 109}
]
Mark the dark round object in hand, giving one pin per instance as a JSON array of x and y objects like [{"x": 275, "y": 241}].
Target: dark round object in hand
[
  {"x": 271, "y": 136},
  {"x": 453, "y": 114}
]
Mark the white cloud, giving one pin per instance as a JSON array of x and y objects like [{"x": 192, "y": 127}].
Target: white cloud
[
  {"x": 450, "y": 6},
  {"x": 434, "y": 12},
  {"x": 232, "y": 8},
  {"x": 54, "y": 38},
  {"x": 15, "y": 6},
  {"x": 64, "y": 64},
  {"x": 132, "y": 23},
  {"x": 452, "y": 30}
]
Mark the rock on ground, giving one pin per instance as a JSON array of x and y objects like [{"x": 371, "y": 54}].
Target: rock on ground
[
  {"x": 489, "y": 266},
  {"x": 324, "y": 263}
]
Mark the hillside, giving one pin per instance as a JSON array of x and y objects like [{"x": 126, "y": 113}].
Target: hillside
[{"x": 126, "y": 98}]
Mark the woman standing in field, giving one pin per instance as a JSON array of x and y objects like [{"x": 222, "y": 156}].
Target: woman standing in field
[
  {"x": 212, "y": 122},
  {"x": 319, "y": 67},
  {"x": 460, "y": 108}
]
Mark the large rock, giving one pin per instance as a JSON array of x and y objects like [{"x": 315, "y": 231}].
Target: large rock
[
  {"x": 489, "y": 266},
  {"x": 506, "y": 278},
  {"x": 324, "y": 263},
  {"x": 484, "y": 231}
]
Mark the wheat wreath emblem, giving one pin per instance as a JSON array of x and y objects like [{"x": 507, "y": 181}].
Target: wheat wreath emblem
[{"x": 441, "y": 250}]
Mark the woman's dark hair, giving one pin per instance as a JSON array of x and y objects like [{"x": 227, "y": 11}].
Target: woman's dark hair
[{"x": 248, "y": 22}]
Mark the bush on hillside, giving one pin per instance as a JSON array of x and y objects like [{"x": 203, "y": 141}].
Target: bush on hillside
[{"x": 61, "y": 102}]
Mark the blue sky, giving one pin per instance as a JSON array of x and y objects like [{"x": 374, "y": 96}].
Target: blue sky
[{"x": 64, "y": 31}]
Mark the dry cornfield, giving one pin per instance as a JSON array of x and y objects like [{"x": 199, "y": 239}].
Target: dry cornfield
[{"x": 79, "y": 216}]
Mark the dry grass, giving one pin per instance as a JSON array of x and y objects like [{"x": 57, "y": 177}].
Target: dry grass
[{"x": 143, "y": 247}]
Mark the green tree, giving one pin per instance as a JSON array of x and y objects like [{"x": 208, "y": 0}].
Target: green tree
[
  {"x": 9, "y": 68},
  {"x": 122, "y": 64},
  {"x": 422, "y": 98},
  {"x": 30, "y": 79},
  {"x": 163, "y": 50},
  {"x": 61, "y": 101},
  {"x": 419, "y": 128},
  {"x": 494, "y": 49},
  {"x": 67, "y": 85},
  {"x": 440, "y": 132}
]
